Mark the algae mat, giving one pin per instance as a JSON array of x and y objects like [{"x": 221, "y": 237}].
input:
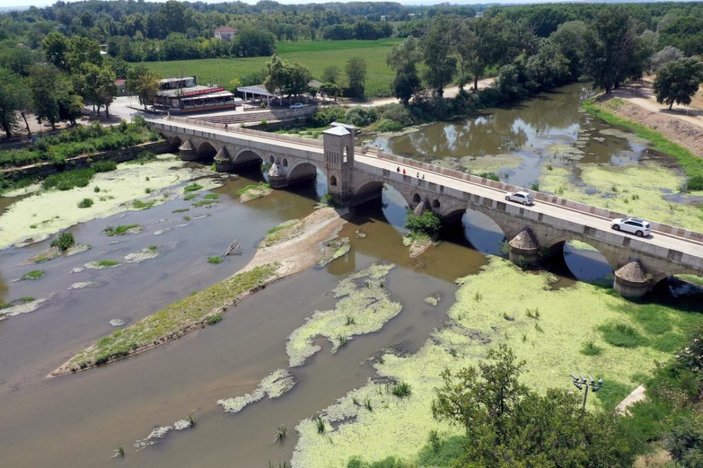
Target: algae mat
[
  {"x": 548, "y": 328},
  {"x": 112, "y": 192}
]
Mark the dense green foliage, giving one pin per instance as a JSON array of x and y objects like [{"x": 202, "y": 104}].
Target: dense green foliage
[
  {"x": 64, "y": 241},
  {"x": 78, "y": 141},
  {"x": 427, "y": 223},
  {"x": 509, "y": 425},
  {"x": 678, "y": 81}
]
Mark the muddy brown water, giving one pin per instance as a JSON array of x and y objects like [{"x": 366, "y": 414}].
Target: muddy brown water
[
  {"x": 527, "y": 131},
  {"x": 78, "y": 420}
]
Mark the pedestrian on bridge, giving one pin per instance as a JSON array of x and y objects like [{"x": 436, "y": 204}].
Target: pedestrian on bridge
[{"x": 397, "y": 169}]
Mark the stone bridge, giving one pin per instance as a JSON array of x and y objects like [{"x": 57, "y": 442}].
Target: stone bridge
[{"x": 357, "y": 175}]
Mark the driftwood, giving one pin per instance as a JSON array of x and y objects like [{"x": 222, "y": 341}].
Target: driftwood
[{"x": 234, "y": 248}]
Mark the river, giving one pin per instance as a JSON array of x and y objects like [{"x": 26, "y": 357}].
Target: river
[{"x": 79, "y": 420}]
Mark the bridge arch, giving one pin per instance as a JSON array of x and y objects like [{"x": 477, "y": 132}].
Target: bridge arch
[
  {"x": 481, "y": 230},
  {"x": 247, "y": 159},
  {"x": 583, "y": 260},
  {"x": 369, "y": 191},
  {"x": 206, "y": 151},
  {"x": 303, "y": 171},
  {"x": 174, "y": 142}
]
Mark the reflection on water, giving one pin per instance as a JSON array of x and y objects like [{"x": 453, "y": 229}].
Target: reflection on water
[
  {"x": 483, "y": 233},
  {"x": 587, "y": 264},
  {"x": 520, "y": 141}
]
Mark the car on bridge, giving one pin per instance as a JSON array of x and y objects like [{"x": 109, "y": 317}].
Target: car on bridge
[
  {"x": 297, "y": 105},
  {"x": 520, "y": 197},
  {"x": 636, "y": 226}
]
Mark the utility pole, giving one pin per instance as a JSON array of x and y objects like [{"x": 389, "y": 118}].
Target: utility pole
[{"x": 583, "y": 383}]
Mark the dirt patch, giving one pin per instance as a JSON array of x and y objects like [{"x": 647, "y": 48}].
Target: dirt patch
[
  {"x": 303, "y": 250},
  {"x": 635, "y": 104}
]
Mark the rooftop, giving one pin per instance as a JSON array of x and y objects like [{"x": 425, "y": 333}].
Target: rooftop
[{"x": 256, "y": 89}]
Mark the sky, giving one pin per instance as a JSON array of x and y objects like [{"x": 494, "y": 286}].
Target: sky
[{"x": 43, "y": 3}]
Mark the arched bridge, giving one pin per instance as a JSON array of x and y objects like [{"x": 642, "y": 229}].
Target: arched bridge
[{"x": 356, "y": 175}]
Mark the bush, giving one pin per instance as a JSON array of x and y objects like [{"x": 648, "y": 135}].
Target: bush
[
  {"x": 214, "y": 260},
  {"x": 398, "y": 113},
  {"x": 214, "y": 319},
  {"x": 326, "y": 116},
  {"x": 401, "y": 390},
  {"x": 427, "y": 223},
  {"x": 622, "y": 335},
  {"x": 361, "y": 116},
  {"x": 695, "y": 183},
  {"x": 68, "y": 179},
  {"x": 64, "y": 241},
  {"x": 85, "y": 203},
  {"x": 104, "y": 166},
  {"x": 387, "y": 125}
]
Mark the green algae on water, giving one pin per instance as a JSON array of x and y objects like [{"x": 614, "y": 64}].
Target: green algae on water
[
  {"x": 363, "y": 297},
  {"x": 568, "y": 318}
]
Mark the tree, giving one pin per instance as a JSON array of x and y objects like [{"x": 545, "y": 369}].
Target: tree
[
  {"x": 285, "y": 77},
  {"x": 56, "y": 47},
  {"x": 356, "y": 77},
  {"x": 570, "y": 39},
  {"x": 678, "y": 81},
  {"x": 436, "y": 50},
  {"x": 611, "y": 49},
  {"x": 330, "y": 74},
  {"x": 97, "y": 85},
  {"x": 664, "y": 56},
  {"x": 82, "y": 50},
  {"x": 509, "y": 425},
  {"x": 143, "y": 83},
  {"x": 10, "y": 92},
  {"x": 404, "y": 58},
  {"x": 44, "y": 81}
]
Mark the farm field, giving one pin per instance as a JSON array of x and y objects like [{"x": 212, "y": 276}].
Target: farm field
[{"x": 315, "y": 55}]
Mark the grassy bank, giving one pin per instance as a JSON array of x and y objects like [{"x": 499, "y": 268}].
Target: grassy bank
[
  {"x": 315, "y": 55},
  {"x": 581, "y": 329},
  {"x": 691, "y": 164},
  {"x": 172, "y": 321}
]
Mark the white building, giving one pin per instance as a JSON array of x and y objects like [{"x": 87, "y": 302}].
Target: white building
[{"x": 225, "y": 33}]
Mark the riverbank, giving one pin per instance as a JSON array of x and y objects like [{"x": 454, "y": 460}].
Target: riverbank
[
  {"x": 667, "y": 134},
  {"x": 207, "y": 306}
]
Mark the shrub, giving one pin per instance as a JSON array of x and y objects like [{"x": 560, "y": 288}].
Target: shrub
[
  {"x": 192, "y": 187},
  {"x": 591, "y": 349},
  {"x": 85, "y": 203},
  {"x": 68, "y": 179},
  {"x": 326, "y": 116},
  {"x": 426, "y": 223},
  {"x": 361, "y": 116},
  {"x": 64, "y": 241},
  {"x": 33, "y": 275},
  {"x": 214, "y": 260},
  {"x": 387, "y": 125},
  {"x": 695, "y": 183},
  {"x": 401, "y": 390},
  {"x": 104, "y": 166},
  {"x": 214, "y": 319},
  {"x": 622, "y": 335},
  {"x": 397, "y": 112}
]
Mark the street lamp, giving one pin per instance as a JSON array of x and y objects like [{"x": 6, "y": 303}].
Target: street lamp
[{"x": 583, "y": 382}]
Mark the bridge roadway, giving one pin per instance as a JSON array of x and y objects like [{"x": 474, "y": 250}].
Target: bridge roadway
[{"x": 370, "y": 158}]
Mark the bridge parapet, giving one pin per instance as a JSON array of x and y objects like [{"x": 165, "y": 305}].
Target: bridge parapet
[{"x": 540, "y": 196}]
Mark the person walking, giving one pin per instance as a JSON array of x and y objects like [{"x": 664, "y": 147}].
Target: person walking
[
  {"x": 403, "y": 171},
  {"x": 397, "y": 169}
]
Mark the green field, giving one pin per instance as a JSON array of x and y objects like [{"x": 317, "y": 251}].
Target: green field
[{"x": 316, "y": 55}]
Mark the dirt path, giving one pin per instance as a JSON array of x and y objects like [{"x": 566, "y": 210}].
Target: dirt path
[
  {"x": 642, "y": 94},
  {"x": 677, "y": 128},
  {"x": 450, "y": 92}
]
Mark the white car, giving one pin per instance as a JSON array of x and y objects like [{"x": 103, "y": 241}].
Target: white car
[
  {"x": 520, "y": 197},
  {"x": 636, "y": 226},
  {"x": 297, "y": 105}
]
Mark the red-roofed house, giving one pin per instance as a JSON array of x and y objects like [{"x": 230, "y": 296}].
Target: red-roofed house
[{"x": 225, "y": 33}]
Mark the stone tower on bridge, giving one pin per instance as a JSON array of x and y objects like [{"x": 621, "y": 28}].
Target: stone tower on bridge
[{"x": 338, "y": 143}]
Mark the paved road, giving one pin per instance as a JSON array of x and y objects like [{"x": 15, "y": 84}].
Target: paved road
[{"x": 587, "y": 219}]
